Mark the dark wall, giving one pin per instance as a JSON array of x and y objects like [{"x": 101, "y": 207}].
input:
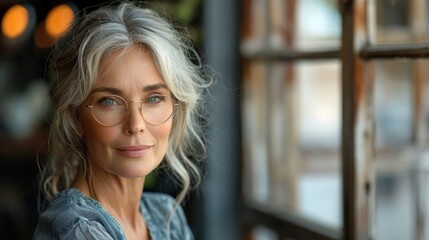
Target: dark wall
[{"x": 23, "y": 137}]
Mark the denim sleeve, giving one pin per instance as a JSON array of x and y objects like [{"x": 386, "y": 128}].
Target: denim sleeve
[{"x": 88, "y": 230}]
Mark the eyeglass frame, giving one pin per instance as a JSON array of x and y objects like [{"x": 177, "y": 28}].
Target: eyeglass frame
[{"x": 127, "y": 109}]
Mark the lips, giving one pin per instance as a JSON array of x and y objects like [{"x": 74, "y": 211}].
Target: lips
[{"x": 134, "y": 151}]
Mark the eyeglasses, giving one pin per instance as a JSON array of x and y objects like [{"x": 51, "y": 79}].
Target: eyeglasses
[{"x": 110, "y": 110}]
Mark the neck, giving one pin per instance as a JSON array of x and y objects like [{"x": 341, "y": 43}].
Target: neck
[{"x": 119, "y": 196}]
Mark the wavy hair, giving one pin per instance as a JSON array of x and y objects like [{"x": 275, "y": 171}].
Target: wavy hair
[{"x": 73, "y": 69}]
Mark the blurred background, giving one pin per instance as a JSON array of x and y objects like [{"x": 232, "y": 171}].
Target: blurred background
[{"x": 318, "y": 121}]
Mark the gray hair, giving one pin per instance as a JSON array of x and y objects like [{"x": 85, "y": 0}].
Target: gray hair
[{"x": 73, "y": 69}]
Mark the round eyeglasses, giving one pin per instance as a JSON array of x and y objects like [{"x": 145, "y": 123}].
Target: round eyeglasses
[{"x": 110, "y": 110}]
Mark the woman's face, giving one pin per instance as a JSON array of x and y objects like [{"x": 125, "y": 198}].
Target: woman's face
[{"x": 131, "y": 148}]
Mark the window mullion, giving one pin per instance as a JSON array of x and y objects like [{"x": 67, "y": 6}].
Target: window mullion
[{"x": 348, "y": 120}]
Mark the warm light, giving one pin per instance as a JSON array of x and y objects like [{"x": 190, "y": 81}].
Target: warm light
[
  {"x": 15, "y": 21},
  {"x": 41, "y": 37},
  {"x": 58, "y": 19}
]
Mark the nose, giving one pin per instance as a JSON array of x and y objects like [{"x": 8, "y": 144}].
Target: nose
[{"x": 135, "y": 123}]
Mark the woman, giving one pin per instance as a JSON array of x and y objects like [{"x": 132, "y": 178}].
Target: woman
[{"x": 125, "y": 96}]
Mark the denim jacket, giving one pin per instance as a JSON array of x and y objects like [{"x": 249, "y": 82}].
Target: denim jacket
[{"x": 72, "y": 215}]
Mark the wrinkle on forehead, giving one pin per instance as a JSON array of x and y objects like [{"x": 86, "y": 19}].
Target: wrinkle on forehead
[
  {"x": 112, "y": 58},
  {"x": 129, "y": 69}
]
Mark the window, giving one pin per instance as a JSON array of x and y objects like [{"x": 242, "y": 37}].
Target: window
[{"x": 335, "y": 118}]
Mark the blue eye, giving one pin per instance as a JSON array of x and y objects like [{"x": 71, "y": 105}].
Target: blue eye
[
  {"x": 109, "y": 101},
  {"x": 154, "y": 99}
]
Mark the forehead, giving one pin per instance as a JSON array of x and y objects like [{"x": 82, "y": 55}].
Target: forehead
[{"x": 134, "y": 67}]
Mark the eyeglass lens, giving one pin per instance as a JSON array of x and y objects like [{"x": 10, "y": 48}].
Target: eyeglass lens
[{"x": 111, "y": 110}]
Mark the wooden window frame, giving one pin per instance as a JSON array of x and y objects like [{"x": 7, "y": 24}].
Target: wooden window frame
[{"x": 353, "y": 58}]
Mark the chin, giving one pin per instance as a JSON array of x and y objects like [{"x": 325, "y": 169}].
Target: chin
[{"x": 135, "y": 171}]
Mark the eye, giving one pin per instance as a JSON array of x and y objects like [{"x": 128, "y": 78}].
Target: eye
[
  {"x": 154, "y": 99},
  {"x": 109, "y": 101}
]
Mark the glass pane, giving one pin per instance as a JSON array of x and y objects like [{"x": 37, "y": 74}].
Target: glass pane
[
  {"x": 255, "y": 182},
  {"x": 291, "y": 132},
  {"x": 303, "y": 24},
  {"x": 266, "y": 24},
  {"x": 398, "y": 21},
  {"x": 318, "y": 24},
  {"x": 393, "y": 103},
  {"x": 402, "y": 154},
  {"x": 255, "y": 22},
  {"x": 319, "y": 122},
  {"x": 395, "y": 208}
]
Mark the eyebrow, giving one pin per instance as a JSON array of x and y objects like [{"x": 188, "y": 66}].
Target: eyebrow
[
  {"x": 117, "y": 91},
  {"x": 155, "y": 87}
]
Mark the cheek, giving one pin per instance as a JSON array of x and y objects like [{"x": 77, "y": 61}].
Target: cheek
[
  {"x": 95, "y": 133},
  {"x": 162, "y": 133}
]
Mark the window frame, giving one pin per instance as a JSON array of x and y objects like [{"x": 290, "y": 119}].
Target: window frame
[{"x": 354, "y": 54}]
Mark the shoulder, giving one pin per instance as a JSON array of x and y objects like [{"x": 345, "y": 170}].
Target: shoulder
[
  {"x": 163, "y": 212},
  {"x": 72, "y": 216},
  {"x": 164, "y": 201},
  {"x": 158, "y": 206}
]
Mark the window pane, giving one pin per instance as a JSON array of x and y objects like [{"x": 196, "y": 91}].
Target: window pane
[
  {"x": 255, "y": 182},
  {"x": 319, "y": 98},
  {"x": 291, "y": 132},
  {"x": 318, "y": 24},
  {"x": 303, "y": 24},
  {"x": 395, "y": 208},
  {"x": 393, "y": 103},
  {"x": 402, "y": 159},
  {"x": 318, "y": 110},
  {"x": 398, "y": 21}
]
